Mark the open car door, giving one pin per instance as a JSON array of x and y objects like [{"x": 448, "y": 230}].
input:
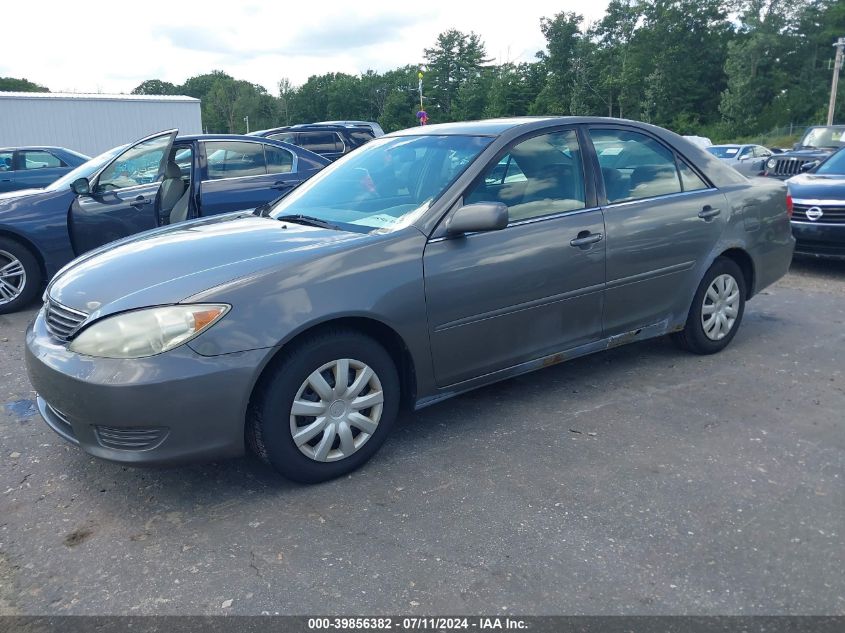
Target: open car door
[{"x": 121, "y": 198}]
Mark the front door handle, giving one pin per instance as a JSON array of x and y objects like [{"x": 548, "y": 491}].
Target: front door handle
[
  {"x": 282, "y": 185},
  {"x": 585, "y": 239},
  {"x": 140, "y": 201},
  {"x": 708, "y": 212}
]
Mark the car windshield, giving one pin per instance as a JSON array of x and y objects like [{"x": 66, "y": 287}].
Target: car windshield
[
  {"x": 835, "y": 165},
  {"x": 85, "y": 170},
  {"x": 386, "y": 184},
  {"x": 824, "y": 137},
  {"x": 723, "y": 151}
]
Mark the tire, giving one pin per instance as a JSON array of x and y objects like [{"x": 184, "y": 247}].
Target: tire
[
  {"x": 697, "y": 338},
  {"x": 332, "y": 429},
  {"x": 21, "y": 282}
]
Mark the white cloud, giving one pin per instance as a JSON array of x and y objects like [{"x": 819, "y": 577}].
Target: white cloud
[{"x": 112, "y": 46}]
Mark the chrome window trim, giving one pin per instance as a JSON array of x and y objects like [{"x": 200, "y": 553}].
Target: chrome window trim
[{"x": 661, "y": 197}]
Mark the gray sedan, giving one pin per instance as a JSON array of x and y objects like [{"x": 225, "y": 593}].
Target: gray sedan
[
  {"x": 430, "y": 262},
  {"x": 749, "y": 160}
]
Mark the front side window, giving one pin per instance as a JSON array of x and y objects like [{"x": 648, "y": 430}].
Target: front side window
[
  {"x": 5, "y": 161},
  {"x": 138, "y": 165},
  {"x": 234, "y": 159},
  {"x": 386, "y": 184},
  {"x": 285, "y": 137},
  {"x": 279, "y": 161},
  {"x": 540, "y": 176},
  {"x": 39, "y": 160},
  {"x": 634, "y": 166},
  {"x": 321, "y": 142},
  {"x": 835, "y": 165}
]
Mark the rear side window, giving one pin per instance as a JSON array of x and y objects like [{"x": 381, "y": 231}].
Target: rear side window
[
  {"x": 5, "y": 161},
  {"x": 39, "y": 160},
  {"x": 279, "y": 161},
  {"x": 321, "y": 142},
  {"x": 234, "y": 159},
  {"x": 634, "y": 166}
]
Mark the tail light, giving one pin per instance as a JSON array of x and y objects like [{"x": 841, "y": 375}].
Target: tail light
[{"x": 788, "y": 205}]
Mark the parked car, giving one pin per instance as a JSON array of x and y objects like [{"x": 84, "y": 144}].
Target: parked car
[
  {"x": 161, "y": 179},
  {"x": 429, "y": 262},
  {"x": 818, "y": 143},
  {"x": 372, "y": 125},
  {"x": 33, "y": 167},
  {"x": 749, "y": 160},
  {"x": 330, "y": 141},
  {"x": 818, "y": 219},
  {"x": 701, "y": 141}
]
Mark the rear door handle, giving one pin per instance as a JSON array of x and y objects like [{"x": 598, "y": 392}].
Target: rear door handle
[
  {"x": 585, "y": 238},
  {"x": 708, "y": 212}
]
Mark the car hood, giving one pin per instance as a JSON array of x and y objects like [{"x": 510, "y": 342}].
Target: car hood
[
  {"x": 20, "y": 193},
  {"x": 817, "y": 187},
  {"x": 167, "y": 265},
  {"x": 810, "y": 153}
]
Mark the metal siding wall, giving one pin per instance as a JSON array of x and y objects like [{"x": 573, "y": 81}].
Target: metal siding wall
[{"x": 91, "y": 126}]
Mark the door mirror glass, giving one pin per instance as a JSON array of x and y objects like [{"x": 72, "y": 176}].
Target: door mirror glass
[
  {"x": 480, "y": 216},
  {"x": 81, "y": 187}
]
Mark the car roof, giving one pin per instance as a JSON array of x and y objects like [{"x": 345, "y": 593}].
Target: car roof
[
  {"x": 30, "y": 148},
  {"x": 732, "y": 145},
  {"x": 220, "y": 137}
]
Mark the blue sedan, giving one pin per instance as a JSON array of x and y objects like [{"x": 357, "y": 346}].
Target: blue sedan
[
  {"x": 30, "y": 167},
  {"x": 159, "y": 180}
]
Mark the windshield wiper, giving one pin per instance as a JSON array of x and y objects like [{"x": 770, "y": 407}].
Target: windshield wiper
[{"x": 308, "y": 220}]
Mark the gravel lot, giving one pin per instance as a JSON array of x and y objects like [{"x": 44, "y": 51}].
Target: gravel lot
[{"x": 640, "y": 480}]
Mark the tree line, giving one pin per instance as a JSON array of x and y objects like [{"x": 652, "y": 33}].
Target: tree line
[{"x": 718, "y": 68}]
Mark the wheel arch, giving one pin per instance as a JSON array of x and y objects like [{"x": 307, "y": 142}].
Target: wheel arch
[
  {"x": 367, "y": 325},
  {"x": 746, "y": 264}
]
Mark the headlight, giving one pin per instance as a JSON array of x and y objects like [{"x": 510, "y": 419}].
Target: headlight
[
  {"x": 146, "y": 332},
  {"x": 771, "y": 163}
]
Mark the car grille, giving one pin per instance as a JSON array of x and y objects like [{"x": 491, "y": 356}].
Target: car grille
[
  {"x": 62, "y": 322},
  {"x": 788, "y": 166},
  {"x": 830, "y": 214},
  {"x": 128, "y": 438}
]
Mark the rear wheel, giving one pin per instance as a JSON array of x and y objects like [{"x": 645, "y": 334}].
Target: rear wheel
[
  {"x": 716, "y": 311},
  {"x": 20, "y": 276},
  {"x": 325, "y": 407}
]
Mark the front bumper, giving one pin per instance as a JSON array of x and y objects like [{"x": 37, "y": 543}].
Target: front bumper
[
  {"x": 817, "y": 239},
  {"x": 174, "y": 407}
]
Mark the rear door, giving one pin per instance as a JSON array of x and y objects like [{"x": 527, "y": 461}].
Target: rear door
[
  {"x": 37, "y": 168},
  {"x": 663, "y": 221},
  {"x": 242, "y": 175},
  {"x": 501, "y": 298},
  {"x": 123, "y": 195}
]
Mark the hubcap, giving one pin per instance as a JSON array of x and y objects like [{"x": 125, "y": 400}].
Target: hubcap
[
  {"x": 720, "y": 307},
  {"x": 12, "y": 277},
  {"x": 336, "y": 410}
]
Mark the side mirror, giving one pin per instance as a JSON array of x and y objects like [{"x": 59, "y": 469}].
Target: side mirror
[
  {"x": 81, "y": 187},
  {"x": 480, "y": 216},
  {"x": 809, "y": 166},
  {"x": 796, "y": 146}
]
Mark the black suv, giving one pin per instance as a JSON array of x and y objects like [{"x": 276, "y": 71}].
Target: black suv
[
  {"x": 331, "y": 141},
  {"x": 818, "y": 143}
]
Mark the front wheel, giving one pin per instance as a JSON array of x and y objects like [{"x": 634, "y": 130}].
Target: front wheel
[
  {"x": 20, "y": 276},
  {"x": 716, "y": 311},
  {"x": 325, "y": 407}
]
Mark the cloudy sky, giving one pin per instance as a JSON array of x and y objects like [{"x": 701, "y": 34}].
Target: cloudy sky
[{"x": 97, "y": 46}]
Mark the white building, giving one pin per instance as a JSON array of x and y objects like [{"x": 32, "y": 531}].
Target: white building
[{"x": 91, "y": 123}]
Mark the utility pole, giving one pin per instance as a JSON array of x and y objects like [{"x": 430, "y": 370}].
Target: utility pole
[
  {"x": 837, "y": 66},
  {"x": 246, "y": 120}
]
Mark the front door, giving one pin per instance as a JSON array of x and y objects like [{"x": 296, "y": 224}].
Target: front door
[
  {"x": 663, "y": 221},
  {"x": 123, "y": 195},
  {"x": 7, "y": 171},
  {"x": 500, "y": 298}
]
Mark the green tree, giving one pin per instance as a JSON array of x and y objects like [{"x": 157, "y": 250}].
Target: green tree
[
  {"x": 454, "y": 59},
  {"x": 11, "y": 84},
  {"x": 155, "y": 87}
]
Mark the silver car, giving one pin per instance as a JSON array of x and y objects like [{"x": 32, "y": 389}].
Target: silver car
[
  {"x": 749, "y": 160},
  {"x": 427, "y": 263}
]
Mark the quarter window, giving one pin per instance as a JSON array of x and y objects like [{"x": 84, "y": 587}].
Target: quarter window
[
  {"x": 634, "y": 166},
  {"x": 39, "y": 160},
  {"x": 233, "y": 159},
  {"x": 690, "y": 180},
  {"x": 279, "y": 161},
  {"x": 540, "y": 176}
]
